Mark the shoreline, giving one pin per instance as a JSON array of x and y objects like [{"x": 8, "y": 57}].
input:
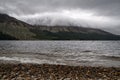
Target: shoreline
[
  {"x": 42, "y": 58},
  {"x": 27, "y": 71}
]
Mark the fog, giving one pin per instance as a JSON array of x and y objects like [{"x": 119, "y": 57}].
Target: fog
[{"x": 102, "y": 14}]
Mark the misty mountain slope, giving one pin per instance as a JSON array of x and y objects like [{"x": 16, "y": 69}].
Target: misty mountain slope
[
  {"x": 76, "y": 29},
  {"x": 51, "y": 20},
  {"x": 11, "y": 28},
  {"x": 72, "y": 33}
]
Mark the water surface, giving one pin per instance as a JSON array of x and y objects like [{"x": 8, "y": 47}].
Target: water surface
[{"x": 92, "y": 53}]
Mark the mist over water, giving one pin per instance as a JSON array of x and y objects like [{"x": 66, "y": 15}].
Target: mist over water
[{"x": 91, "y": 53}]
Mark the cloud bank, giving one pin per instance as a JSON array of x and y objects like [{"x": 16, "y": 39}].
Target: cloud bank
[{"x": 103, "y": 14}]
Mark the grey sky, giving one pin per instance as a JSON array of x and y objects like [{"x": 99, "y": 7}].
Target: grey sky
[{"x": 109, "y": 10}]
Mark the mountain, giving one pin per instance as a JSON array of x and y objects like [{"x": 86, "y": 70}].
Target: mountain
[
  {"x": 72, "y": 33},
  {"x": 13, "y": 29}
]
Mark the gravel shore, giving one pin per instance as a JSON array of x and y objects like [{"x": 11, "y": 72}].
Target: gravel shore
[{"x": 56, "y": 72}]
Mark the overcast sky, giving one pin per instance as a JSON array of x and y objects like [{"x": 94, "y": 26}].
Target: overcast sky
[{"x": 103, "y": 14}]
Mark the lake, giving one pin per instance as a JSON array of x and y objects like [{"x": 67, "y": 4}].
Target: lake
[{"x": 90, "y": 53}]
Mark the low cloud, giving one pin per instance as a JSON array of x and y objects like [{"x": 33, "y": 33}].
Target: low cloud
[{"x": 103, "y": 14}]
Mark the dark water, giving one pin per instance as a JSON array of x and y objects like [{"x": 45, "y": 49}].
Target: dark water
[{"x": 93, "y": 53}]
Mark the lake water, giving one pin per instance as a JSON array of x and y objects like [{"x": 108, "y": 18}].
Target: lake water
[{"x": 90, "y": 53}]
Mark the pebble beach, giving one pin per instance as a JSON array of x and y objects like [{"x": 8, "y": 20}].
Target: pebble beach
[{"x": 26, "y": 71}]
